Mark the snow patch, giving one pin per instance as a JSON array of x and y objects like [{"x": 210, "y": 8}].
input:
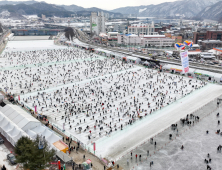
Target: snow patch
[
  {"x": 141, "y": 10},
  {"x": 5, "y": 13}
]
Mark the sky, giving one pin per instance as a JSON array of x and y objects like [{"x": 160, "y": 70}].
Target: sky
[{"x": 105, "y": 4}]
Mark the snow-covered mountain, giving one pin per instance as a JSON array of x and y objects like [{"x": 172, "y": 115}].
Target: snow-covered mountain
[
  {"x": 212, "y": 12},
  {"x": 187, "y": 8}
]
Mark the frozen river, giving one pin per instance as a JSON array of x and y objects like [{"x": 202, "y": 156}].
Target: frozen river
[{"x": 118, "y": 105}]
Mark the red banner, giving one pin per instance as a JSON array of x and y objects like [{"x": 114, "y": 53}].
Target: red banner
[{"x": 94, "y": 146}]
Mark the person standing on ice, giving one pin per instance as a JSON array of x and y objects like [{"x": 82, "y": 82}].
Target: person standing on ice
[{"x": 182, "y": 147}]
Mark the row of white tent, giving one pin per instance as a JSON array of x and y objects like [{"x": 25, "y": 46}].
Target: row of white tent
[
  {"x": 195, "y": 72},
  {"x": 119, "y": 56},
  {"x": 16, "y": 122},
  {"x": 9, "y": 130}
]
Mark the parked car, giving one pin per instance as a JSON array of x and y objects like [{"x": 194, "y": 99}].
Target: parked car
[
  {"x": 1, "y": 140},
  {"x": 210, "y": 62},
  {"x": 11, "y": 158}
]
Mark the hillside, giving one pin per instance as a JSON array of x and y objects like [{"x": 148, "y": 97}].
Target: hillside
[
  {"x": 213, "y": 12},
  {"x": 36, "y": 8},
  {"x": 185, "y": 8}
]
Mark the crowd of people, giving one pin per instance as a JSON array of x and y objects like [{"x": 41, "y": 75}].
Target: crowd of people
[
  {"x": 93, "y": 96},
  {"x": 25, "y": 72}
]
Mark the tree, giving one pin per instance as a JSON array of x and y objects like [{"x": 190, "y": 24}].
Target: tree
[
  {"x": 1, "y": 28},
  {"x": 28, "y": 153},
  {"x": 23, "y": 150},
  {"x": 69, "y": 33}
]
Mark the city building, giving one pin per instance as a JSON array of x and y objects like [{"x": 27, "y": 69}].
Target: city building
[
  {"x": 121, "y": 28},
  {"x": 178, "y": 39},
  {"x": 207, "y": 34},
  {"x": 97, "y": 23},
  {"x": 142, "y": 29},
  {"x": 157, "y": 41},
  {"x": 112, "y": 36},
  {"x": 43, "y": 16},
  {"x": 145, "y": 40},
  {"x": 209, "y": 44},
  {"x": 159, "y": 29},
  {"x": 128, "y": 39},
  {"x": 218, "y": 53}
]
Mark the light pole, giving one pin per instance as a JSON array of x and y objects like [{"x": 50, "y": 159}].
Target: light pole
[{"x": 129, "y": 42}]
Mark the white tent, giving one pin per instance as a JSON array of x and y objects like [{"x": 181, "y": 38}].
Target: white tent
[
  {"x": 31, "y": 134},
  {"x": 1, "y": 97},
  {"x": 146, "y": 63},
  {"x": 44, "y": 131},
  {"x": 217, "y": 77},
  {"x": 18, "y": 136},
  {"x": 39, "y": 129},
  {"x": 3, "y": 122},
  {"x": 20, "y": 117},
  {"x": 133, "y": 59},
  {"x": 7, "y": 128},
  {"x": 16, "y": 122},
  {"x": 10, "y": 130}
]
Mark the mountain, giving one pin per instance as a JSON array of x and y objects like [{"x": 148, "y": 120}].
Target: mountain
[
  {"x": 35, "y": 7},
  {"x": 213, "y": 12},
  {"x": 38, "y": 8},
  {"x": 87, "y": 11},
  {"x": 17, "y": 2},
  {"x": 185, "y": 8},
  {"x": 73, "y": 8}
]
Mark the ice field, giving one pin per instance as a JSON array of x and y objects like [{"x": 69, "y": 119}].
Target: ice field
[
  {"x": 118, "y": 105},
  {"x": 31, "y": 45},
  {"x": 107, "y": 102},
  {"x": 42, "y": 70},
  {"x": 197, "y": 144}
]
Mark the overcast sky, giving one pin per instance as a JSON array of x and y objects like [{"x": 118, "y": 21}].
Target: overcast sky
[{"x": 106, "y": 4}]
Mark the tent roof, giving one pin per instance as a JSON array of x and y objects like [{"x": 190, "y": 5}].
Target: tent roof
[
  {"x": 132, "y": 58},
  {"x": 11, "y": 131},
  {"x": 53, "y": 138},
  {"x": 217, "y": 75},
  {"x": 18, "y": 116},
  {"x": 31, "y": 133},
  {"x": 13, "y": 119},
  {"x": 39, "y": 130}
]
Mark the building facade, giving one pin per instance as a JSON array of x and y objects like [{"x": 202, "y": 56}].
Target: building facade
[
  {"x": 121, "y": 28},
  {"x": 157, "y": 41},
  {"x": 209, "y": 44},
  {"x": 207, "y": 35},
  {"x": 128, "y": 39},
  {"x": 97, "y": 23},
  {"x": 142, "y": 29},
  {"x": 145, "y": 40}
]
